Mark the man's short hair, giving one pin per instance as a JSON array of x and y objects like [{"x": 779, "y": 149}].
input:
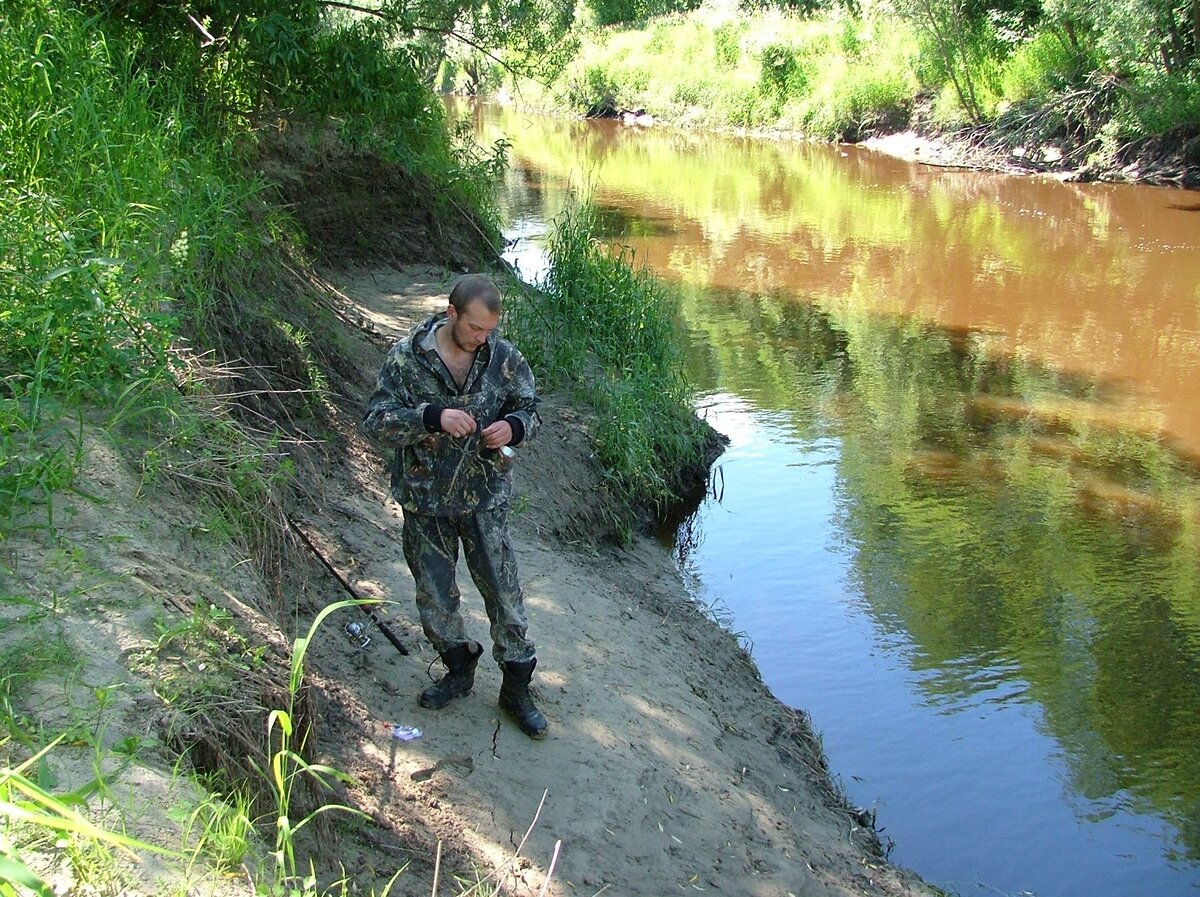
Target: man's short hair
[{"x": 475, "y": 288}]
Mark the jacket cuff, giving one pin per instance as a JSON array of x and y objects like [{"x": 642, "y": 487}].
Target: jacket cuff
[
  {"x": 431, "y": 417},
  {"x": 518, "y": 428}
]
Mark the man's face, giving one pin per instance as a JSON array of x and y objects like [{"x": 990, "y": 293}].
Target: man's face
[{"x": 470, "y": 328}]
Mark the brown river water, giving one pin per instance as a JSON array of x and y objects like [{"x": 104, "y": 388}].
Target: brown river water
[{"x": 959, "y": 516}]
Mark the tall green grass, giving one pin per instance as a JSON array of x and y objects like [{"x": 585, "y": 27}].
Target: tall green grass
[
  {"x": 826, "y": 76},
  {"x": 120, "y": 217},
  {"x": 85, "y": 826},
  {"x": 607, "y": 330},
  {"x": 120, "y": 211},
  {"x": 26, "y": 803}
]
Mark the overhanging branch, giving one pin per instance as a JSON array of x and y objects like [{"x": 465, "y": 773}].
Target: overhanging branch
[{"x": 526, "y": 71}]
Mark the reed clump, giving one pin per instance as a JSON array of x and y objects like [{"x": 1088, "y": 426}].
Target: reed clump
[{"x": 605, "y": 329}]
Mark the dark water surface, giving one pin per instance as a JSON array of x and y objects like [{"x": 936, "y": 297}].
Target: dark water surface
[{"x": 959, "y": 518}]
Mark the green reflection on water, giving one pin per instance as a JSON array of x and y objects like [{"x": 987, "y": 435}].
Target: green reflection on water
[{"x": 1025, "y": 557}]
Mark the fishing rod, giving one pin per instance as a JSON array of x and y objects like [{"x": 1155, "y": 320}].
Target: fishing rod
[{"x": 365, "y": 606}]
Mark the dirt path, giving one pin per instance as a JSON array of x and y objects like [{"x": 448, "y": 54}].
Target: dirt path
[{"x": 668, "y": 767}]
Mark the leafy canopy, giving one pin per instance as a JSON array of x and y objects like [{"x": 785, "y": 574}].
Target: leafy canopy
[{"x": 247, "y": 55}]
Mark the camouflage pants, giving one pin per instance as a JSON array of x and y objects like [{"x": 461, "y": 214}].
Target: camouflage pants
[{"x": 431, "y": 549}]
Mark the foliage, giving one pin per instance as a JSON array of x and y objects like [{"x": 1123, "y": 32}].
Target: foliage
[
  {"x": 246, "y": 57},
  {"x": 107, "y": 227},
  {"x": 849, "y": 70},
  {"x": 1139, "y": 36},
  {"x": 850, "y": 97},
  {"x": 615, "y": 12},
  {"x": 221, "y": 827},
  {"x": 1163, "y": 101},
  {"x": 830, "y": 76},
  {"x": 289, "y": 768},
  {"x": 121, "y": 218},
  {"x": 1042, "y": 67},
  {"x": 37, "y": 456},
  {"x": 960, "y": 50},
  {"x": 29, "y": 802}
]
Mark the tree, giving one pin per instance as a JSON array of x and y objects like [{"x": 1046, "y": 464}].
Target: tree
[
  {"x": 952, "y": 32},
  {"x": 1161, "y": 35},
  {"x": 617, "y": 12}
]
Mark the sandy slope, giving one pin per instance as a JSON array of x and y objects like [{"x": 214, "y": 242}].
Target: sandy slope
[{"x": 668, "y": 768}]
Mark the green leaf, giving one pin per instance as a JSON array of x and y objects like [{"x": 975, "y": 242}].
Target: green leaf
[
  {"x": 46, "y": 779},
  {"x": 14, "y": 871}
]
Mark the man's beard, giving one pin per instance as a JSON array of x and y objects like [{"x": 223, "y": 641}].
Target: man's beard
[{"x": 458, "y": 342}]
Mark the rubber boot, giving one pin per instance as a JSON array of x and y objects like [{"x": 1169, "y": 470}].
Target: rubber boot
[
  {"x": 514, "y": 697},
  {"x": 460, "y": 662}
]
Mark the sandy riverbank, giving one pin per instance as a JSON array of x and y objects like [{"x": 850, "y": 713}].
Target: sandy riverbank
[{"x": 669, "y": 766}]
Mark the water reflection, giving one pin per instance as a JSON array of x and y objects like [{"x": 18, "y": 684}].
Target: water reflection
[
  {"x": 963, "y": 478},
  {"x": 1024, "y": 558}
]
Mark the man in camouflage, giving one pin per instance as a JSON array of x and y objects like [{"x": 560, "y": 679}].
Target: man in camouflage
[{"x": 451, "y": 397}]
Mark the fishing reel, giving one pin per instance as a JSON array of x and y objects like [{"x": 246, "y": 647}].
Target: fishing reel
[{"x": 357, "y": 633}]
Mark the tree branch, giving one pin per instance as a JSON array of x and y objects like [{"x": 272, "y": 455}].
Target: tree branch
[
  {"x": 450, "y": 32},
  {"x": 208, "y": 39},
  {"x": 378, "y": 13}
]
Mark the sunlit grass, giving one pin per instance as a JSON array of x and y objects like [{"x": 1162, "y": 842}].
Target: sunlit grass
[
  {"x": 824, "y": 75},
  {"x": 606, "y": 329}
]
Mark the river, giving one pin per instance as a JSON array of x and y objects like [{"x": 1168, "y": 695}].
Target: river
[{"x": 959, "y": 515}]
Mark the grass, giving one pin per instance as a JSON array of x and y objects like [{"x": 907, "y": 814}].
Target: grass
[
  {"x": 39, "y": 450},
  {"x": 222, "y": 828},
  {"x": 216, "y": 830},
  {"x": 825, "y": 76},
  {"x": 289, "y": 766},
  {"x": 120, "y": 217},
  {"x": 607, "y": 331},
  {"x": 81, "y": 829},
  {"x": 28, "y": 808}
]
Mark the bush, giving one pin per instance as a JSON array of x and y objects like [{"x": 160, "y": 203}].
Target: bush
[
  {"x": 593, "y": 91},
  {"x": 1158, "y": 103},
  {"x": 727, "y": 44},
  {"x": 1040, "y": 68},
  {"x": 782, "y": 73},
  {"x": 851, "y": 96},
  {"x": 742, "y": 106}
]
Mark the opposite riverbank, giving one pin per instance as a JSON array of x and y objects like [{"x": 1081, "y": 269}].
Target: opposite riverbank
[{"x": 1062, "y": 91}]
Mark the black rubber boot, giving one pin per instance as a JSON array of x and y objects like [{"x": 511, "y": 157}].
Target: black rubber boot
[
  {"x": 460, "y": 662},
  {"x": 514, "y": 698}
]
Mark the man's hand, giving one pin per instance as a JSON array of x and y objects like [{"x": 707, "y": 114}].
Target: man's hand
[
  {"x": 457, "y": 422},
  {"x": 498, "y": 434}
]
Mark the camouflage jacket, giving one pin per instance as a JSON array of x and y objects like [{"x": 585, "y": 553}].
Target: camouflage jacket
[{"x": 434, "y": 473}]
